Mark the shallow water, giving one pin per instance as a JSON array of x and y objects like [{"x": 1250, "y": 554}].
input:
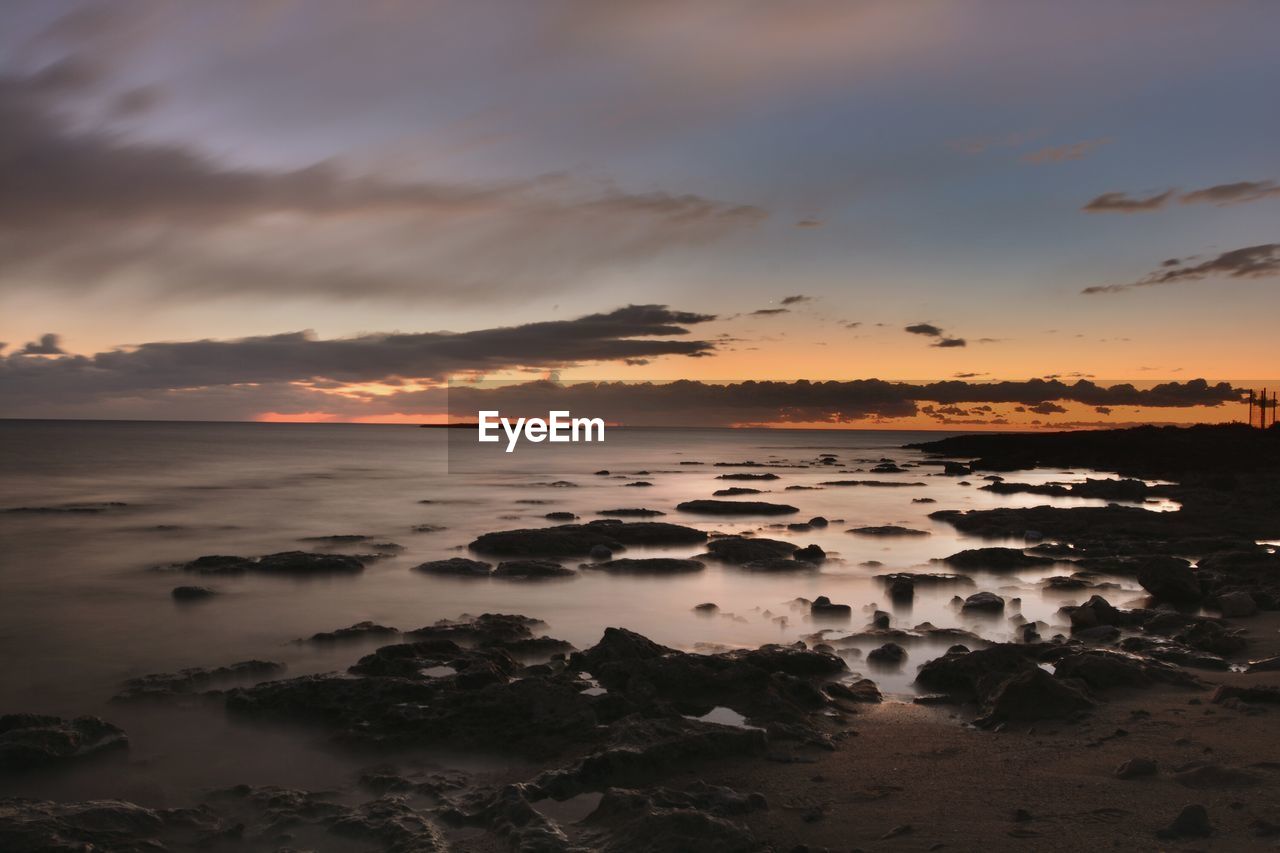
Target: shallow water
[{"x": 85, "y": 595}]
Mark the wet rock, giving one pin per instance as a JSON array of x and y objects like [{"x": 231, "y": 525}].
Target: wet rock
[
  {"x": 923, "y": 501},
  {"x": 779, "y": 564},
  {"x": 1170, "y": 651},
  {"x": 984, "y": 602},
  {"x": 823, "y": 608},
  {"x": 748, "y": 477},
  {"x": 459, "y": 566},
  {"x": 862, "y": 690},
  {"x": 218, "y": 564},
  {"x": 1229, "y": 694},
  {"x": 890, "y": 654},
  {"x": 974, "y": 674},
  {"x": 560, "y": 516},
  {"x": 192, "y": 593},
  {"x": 629, "y": 821},
  {"x": 575, "y": 540},
  {"x": 1191, "y": 822},
  {"x": 738, "y": 549},
  {"x": 995, "y": 559},
  {"x": 649, "y": 565},
  {"x": 880, "y": 620},
  {"x": 879, "y": 484},
  {"x": 1170, "y": 579},
  {"x": 711, "y": 507},
  {"x": 809, "y": 553},
  {"x": 531, "y": 570},
  {"x": 902, "y": 589},
  {"x": 1136, "y": 768},
  {"x": 1098, "y": 611},
  {"x": 631, "y": 512},
  {"x": 1066, "y": 583},
  {"x": 706, "y": 607},
  {"x": 358, "y": 631},
  {"x": 29, "y": 741},
  {"x": 818, "y": 521},
  {"x": 487, "y": 629},
  {"x": 1034, "y": 694},
  {"x": 41, "y": 826},
  {"x": 734, "y": 492},
  {"x": 1105, "y": 669},
  {"x": 184, "y": 682},
  {"x": 887, "y": 530},
  {"x": 1271, "y": 664},
  {"x": 1235, "y": 605}
]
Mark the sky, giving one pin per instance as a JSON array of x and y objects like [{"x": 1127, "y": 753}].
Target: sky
[{"x": 320, "y": 210}]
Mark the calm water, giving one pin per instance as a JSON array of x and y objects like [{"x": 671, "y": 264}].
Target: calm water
[{"x": 85, "y": 597}]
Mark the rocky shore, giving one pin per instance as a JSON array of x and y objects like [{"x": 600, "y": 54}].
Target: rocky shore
[{"x": 1144, "y": 725}]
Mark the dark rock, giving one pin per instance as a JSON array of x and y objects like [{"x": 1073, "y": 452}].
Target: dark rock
[
  {"x": 560, "y": 516},
  {"x": 574, "y": 540},
  {"x": 818, "y": 521},
  {"x": 706, "y": 607},
  {"x": 649, "y": 565},
  {"x": 633, "y": 512},
  {"x": 1104, "y": 669},
  {"x": 639, "y": 484},
  {"x": 192, "y": 593},
  {"x": 995, "y": 559},
  {"x": 1033, "y": 694},
  {"x": 887, "y": 530},
  {"x": 734, "y": 492},
  {"x": 975, "y": 674},
  {"x": 1170, "y": 579},
  {"x": 629, "y": 821},
  {"x": 358, "y": 631},
  {"x": 862, "y": 690},
  {"x": 1209, "y": 775},
  {"x": 779, "y": 564},
  {"x": 600, "y": 552},
  {"x": 1238, "y": 604},
  {"x": 880, "y": 620},
  {"x": 809, "y": 553},
  {"x": 1135, "y": 768},
  {"x": 738, "y": 549},
  {"x": 710, "y": 507},
  {"x": 1191, "y": 822},
  {"x": 531, "y": 569},
  {"x": 890, "y": 654},
  {"x": 984, "y": 602},
  {"x": 34, "y": 740},
  {"x": 455, "y": 566},
  {"x": 823, "y": 608},
  {"x": 169, "y": 685},
  {"x": 748, "y": 477}
]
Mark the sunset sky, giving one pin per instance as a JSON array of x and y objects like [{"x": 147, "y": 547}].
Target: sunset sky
[{"x": 323, "y": 210}]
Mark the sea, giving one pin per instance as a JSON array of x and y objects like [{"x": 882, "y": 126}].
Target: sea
[{"x": 95, "y": 518}]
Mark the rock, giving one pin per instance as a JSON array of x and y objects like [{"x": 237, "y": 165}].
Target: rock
[
  {"x": 358, "y": 631},
  {"x": 633, "y": 512},
  {"x": 531, "y": 569},
  {"x": 880, "y": 620},
  {"x": 1098, "y": 611},
  {"x": 995, "y": 559},
  {"x": 1270, "y": 664},
  {"x": 902, "y": 589},
  {"x": 975, "y": 674},
  {"x": 734, "y": 492},
  {"x": 748, "y": 477},
  {"x": 1033, "y": 694},
  {"x": 1170, "y": 579},
  {"x": 890, "y": 654},
  {"x": 862, "y": 690},
  {"x": 1064, "y": 583},
  {"x": 1235, "y": 605},
  {"x": 218, "y": 564},
  {"x": 1098, "y": 634},
  {"x": 956, "y": 469},
  {"x": 170, "y": 685},
  {"x": 1191, "y": 822},
  {"x": 630, "y": 821},
  {"x": 778, "y": 564},
  {"x": 809, "y": 553},
  {"x": 887, "y": 530},
  {"x": 560, "y": 516},
  {"x": 706, "y": 607},
  {"x": 1135, "y": 768},
  {"x": 283, "y": 563},
  {"x": 710, "y": 507},
  {"x": 192, "y": 593},
  {"x": 738, "y": 549},
  {"x": 1104, "y": 669},
  {"x": 575, "y": 540},
  {"x": 459, "y": 566},
  {"x": 923, "y": 501},
  {"x": 29, "y": 741},
  {"x": 823, "y": 608},
  {"x": 649, "y": 565},
  {"x": 1209, "y": 775},
  {"x": 600, "y": 553},
  {"x": 984, "y": 602},
  {"x": 1263, "y": 694},
  {"x": 818, "y": 521}
]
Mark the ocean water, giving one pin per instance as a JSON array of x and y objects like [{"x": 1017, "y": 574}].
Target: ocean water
[{"x": 93, "y": 516}]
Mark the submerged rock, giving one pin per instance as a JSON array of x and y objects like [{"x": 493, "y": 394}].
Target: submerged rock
[
  {"x": 984, "y": 602},
  {"x": 823, "y": 608},
  {"x": 459, "y": 566},
  {"x": 358, "y": 631},
  {"x": 577, "y": 540},
  {"x": 712, "y": 507},
  {"x": 192, "y": 593},
  {"x": 739, "y": 549},
  {"x": 1170, "y": 579},
  {"x": 995, "y": 559},
  {"x": 887, "y": 530},
  {"x": 169, "y": 685},
  {"x": 29, "y": 741},
  {"x": 649, "y": 565},
  {"x": 532, "y": 569},
  {"x": 282, "y": 563}
]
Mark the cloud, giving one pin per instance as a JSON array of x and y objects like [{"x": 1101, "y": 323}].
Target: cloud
[
  {"x": 809, "y": 223},
  {"x": 930, "y": 330},
  {"x": 49, "y": 344},
  {"x": 1063, "y": 153},
  {"x": 1118, "y": 202},
  {"x": 796, "y": 300},
  {"x": 85, "y": 206},
  {"x": 767, "y": 312},
  {"x": 633, "y": 332},
  {"x": 1222, "y": 195},
  {"x": 1047, "y": 409},
  {"x": 1241, "y": 192},
  {"x": 1260, "y": 261}
]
